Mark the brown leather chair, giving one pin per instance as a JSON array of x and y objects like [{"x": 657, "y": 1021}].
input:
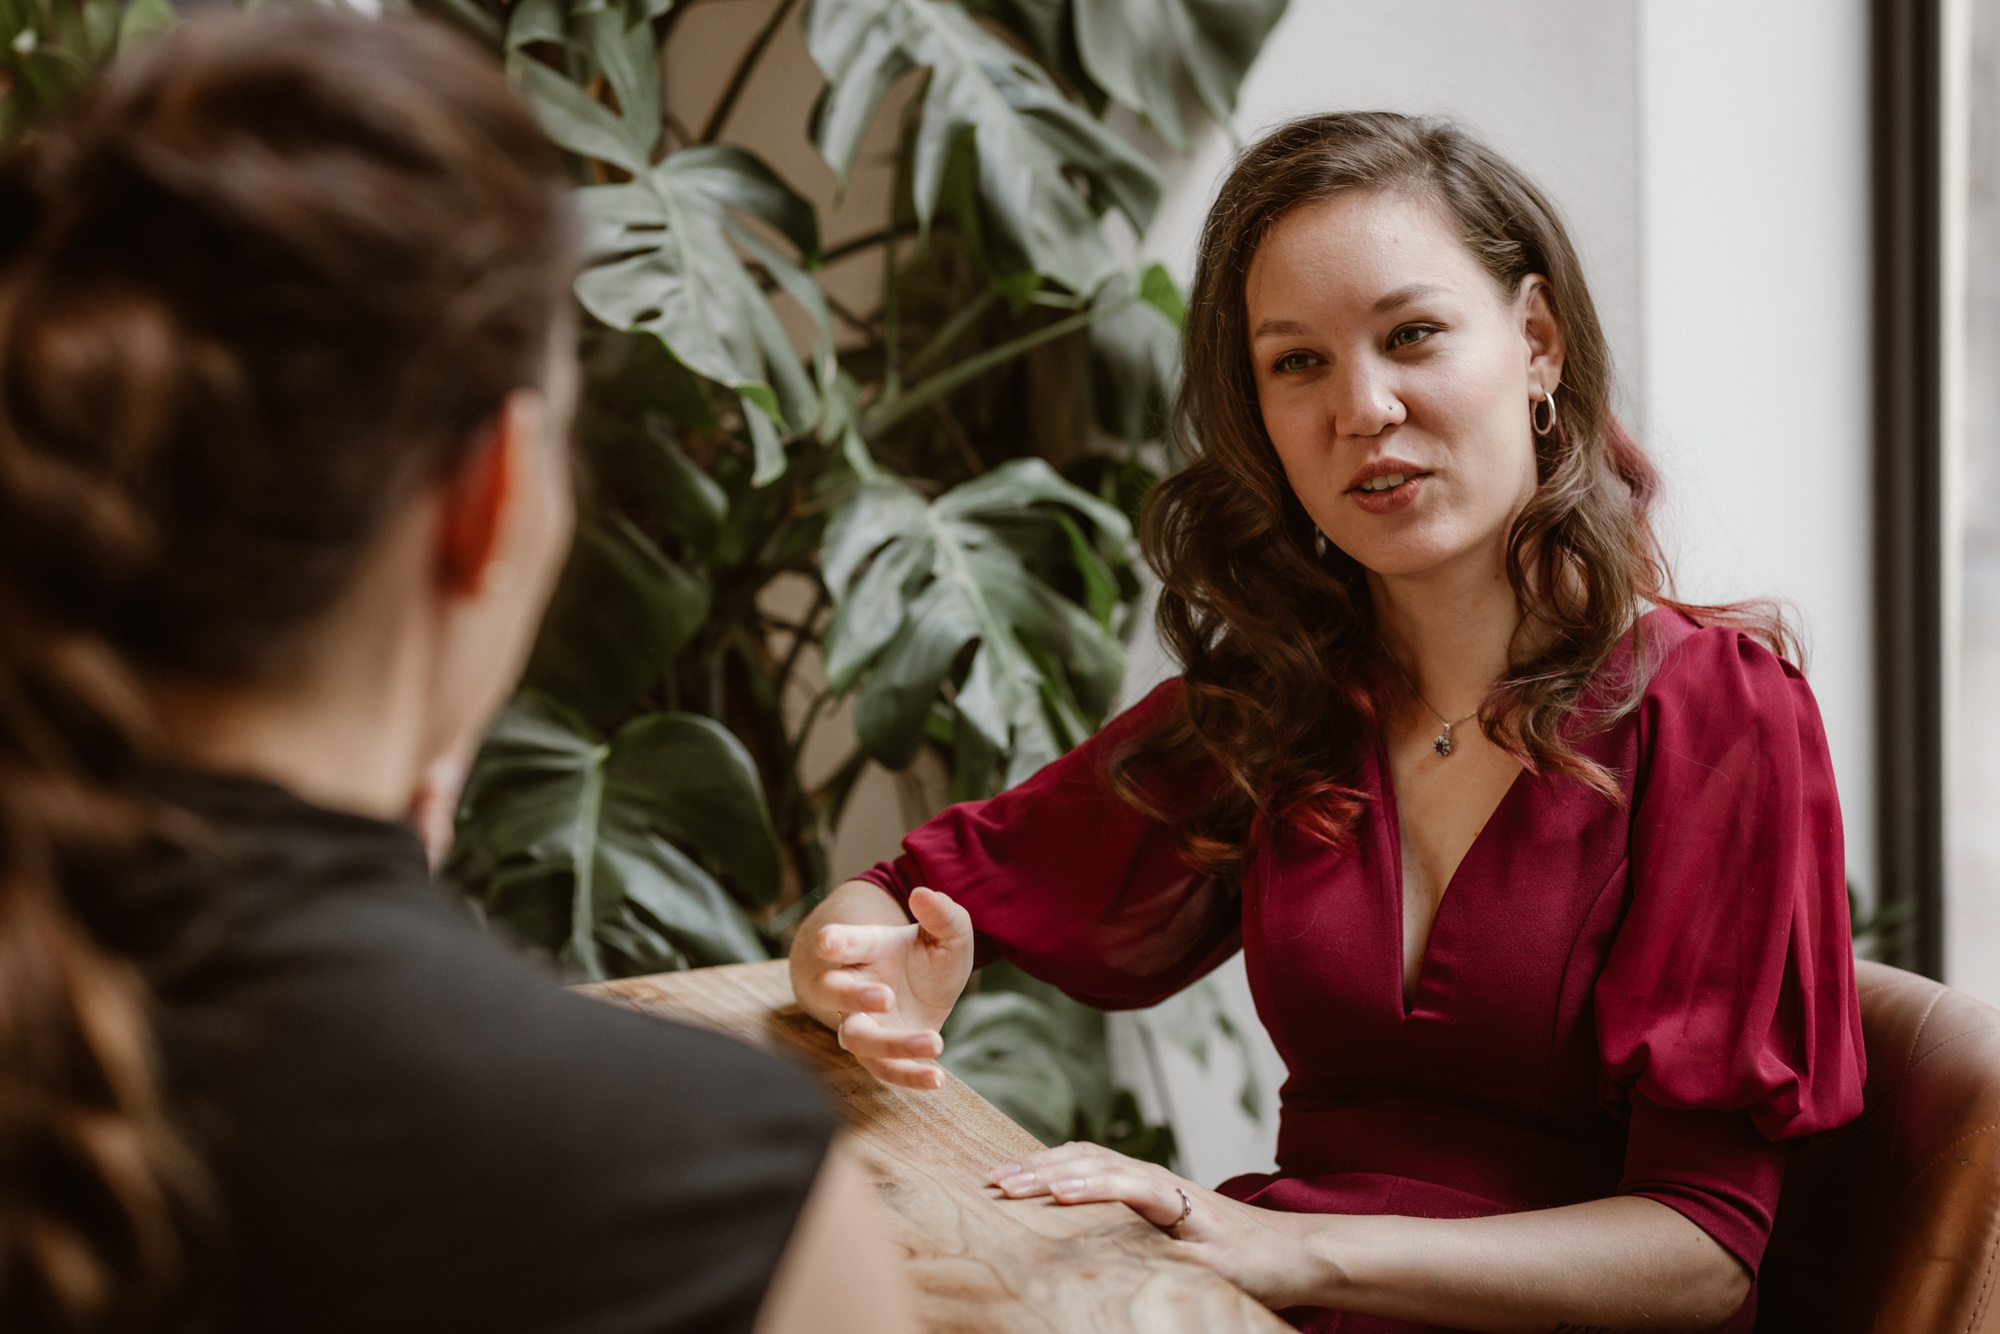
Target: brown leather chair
[{"x": 1891, "y": 1224}]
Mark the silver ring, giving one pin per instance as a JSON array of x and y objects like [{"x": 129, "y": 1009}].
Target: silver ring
[{"x": 1187, "y": 1207}]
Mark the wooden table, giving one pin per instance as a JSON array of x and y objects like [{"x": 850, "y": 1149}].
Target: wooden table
[{"x": 979, "y": 1263}]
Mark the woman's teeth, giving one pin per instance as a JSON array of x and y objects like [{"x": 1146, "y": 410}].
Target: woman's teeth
[{"x": 1386, "y": 483}]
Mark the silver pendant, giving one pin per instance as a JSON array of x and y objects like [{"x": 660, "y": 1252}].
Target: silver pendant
[{"x": 1442, "y": 742}]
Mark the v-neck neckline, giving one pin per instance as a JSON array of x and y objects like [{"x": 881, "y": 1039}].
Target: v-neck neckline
[{"x": 1409, "y": 992}]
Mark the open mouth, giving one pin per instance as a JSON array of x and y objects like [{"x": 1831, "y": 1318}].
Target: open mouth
[{"x": 1375, "y": 486}]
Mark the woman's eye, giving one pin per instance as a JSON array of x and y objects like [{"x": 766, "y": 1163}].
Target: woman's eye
[
  {"x": 1294, "y": 361},
  {"x": 1411, "y": 334}
]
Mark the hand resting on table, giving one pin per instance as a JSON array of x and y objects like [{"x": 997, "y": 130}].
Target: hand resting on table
[{"x": 884, "y": 984}]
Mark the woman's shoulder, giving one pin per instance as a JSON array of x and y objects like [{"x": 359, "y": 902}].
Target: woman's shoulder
[
  {"x": 1684, "y": 660},
  {"x": 371, "y": 1049}
]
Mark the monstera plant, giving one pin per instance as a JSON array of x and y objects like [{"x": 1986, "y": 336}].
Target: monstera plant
[{"x": 921, "y": 503}]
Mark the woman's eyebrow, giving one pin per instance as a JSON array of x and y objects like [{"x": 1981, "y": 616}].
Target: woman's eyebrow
[
  {"x": 1279, "y": 327},
  {"x": 1402, "y": 296}
]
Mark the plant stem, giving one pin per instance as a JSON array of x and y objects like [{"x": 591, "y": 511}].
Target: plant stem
[
  {"x": 894, "y": 407},
  {"x": 798, "y": 744},
  {"x": 859, "y": 323},
  {"x": 966, "y": 449},
  {"x": 892, "y": 342},
  {"x": 868, "y": 241},
  {"x": 801, "y": 636},
  {"x": 715, "y": 670},
  {"x": 727, "y": 102},
  {"x": 961, "y": 320}
]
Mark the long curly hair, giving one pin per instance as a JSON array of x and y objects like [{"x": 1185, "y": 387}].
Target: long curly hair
[
  {"x": 1284, "y": 674},
  {"x": 275, "y": 275}
]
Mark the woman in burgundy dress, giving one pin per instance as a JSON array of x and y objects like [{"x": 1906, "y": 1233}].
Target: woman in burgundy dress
[{"x": 1538, "y": 872}]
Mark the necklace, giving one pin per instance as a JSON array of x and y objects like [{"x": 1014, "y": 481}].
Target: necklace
[{"x": 1441, "y": 743}]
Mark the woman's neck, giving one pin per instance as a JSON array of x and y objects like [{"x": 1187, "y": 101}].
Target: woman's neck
[
  {"x": 346, "y": 728},
  {"x": 1452, "y": 629}
]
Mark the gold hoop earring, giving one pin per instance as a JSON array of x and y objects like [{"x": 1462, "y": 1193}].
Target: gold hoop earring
[{"x": 1535, "y": 414}]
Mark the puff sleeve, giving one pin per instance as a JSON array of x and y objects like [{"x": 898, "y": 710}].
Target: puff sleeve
[
  {"x": 1066, "y": 880},
  {"x": 1727, "y": 1015}
]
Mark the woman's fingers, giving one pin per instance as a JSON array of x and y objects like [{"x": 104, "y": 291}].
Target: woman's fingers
[
  {"x": 1092, "y": 1179},
  {"x": 848, "y": 944},
  {"x": 867, "y": 1037},
  {"x": 919, "y": 1075},
  {"x": 1079, "y": 1173},
  {"x": 849, "y": 990},
  {"x": 1152, "y": 1199},
  {"x": 1063, "y": 1160}
]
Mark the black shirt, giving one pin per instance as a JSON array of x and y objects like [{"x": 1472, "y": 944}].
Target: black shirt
[{"x": 410, "y": 1129}]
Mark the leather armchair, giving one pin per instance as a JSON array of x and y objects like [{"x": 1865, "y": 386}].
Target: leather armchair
[{"x": 1891, "y": 1224}]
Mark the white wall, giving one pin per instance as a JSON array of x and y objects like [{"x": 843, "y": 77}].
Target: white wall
[
  {"x": 1755, "y": 294},
  {"x": 1711, "y": 161}
]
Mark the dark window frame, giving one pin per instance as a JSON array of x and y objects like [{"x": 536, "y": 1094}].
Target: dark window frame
[{"x": 1907, "y": 165}]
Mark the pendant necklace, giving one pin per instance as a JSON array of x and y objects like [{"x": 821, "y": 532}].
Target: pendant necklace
[{"x": 1441, "y": 743}]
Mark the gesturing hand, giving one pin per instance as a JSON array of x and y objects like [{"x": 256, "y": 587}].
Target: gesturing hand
[
  {"x": 1256, "y": 1249},
  {"x": 893, "y": 986}
]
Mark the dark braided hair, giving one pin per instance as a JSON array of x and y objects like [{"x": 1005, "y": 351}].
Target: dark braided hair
[{"x": 272, "y": 277}]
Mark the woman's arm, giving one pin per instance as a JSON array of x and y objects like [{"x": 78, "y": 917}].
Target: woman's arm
[
  {"x": 1607, "y": 1266},
  {"x": 838, "y": 1275},
  {"x": 883, "y": 983}
]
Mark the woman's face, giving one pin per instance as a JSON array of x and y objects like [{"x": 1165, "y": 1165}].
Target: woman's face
[{"x": 1396, "y": 380}]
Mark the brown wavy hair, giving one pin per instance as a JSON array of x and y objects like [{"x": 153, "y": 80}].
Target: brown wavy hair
[
  {"x": 272, "y": 277},
  {"x": 1284, "y": 675}
]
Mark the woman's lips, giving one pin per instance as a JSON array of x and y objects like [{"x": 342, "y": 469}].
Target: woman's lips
[{"x": 1393, "y": 499}]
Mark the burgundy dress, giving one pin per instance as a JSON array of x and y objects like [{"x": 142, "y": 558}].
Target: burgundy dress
[{"x": 1648, "y": 998}]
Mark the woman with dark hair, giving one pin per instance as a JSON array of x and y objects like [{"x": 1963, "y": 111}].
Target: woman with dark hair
[
  {"x": 1537, "y": 871},
  {"x": 285, "y": 380}
]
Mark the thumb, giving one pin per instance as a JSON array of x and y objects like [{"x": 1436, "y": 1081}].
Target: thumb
[{"x": 940, "y": 918}]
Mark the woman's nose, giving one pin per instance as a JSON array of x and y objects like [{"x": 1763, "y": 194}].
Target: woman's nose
[{"x": 1365, "y": 401}]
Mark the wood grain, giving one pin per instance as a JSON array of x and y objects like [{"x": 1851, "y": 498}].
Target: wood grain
[{"x": 979, "y": 1264}]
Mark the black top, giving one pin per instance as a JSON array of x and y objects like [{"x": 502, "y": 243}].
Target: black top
[{"x": 413, "y": 1130}]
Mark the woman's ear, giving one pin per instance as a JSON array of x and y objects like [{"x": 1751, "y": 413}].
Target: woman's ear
[
  {"x": 475, "y": 495},
  {"x": 1542, "y": 331}
]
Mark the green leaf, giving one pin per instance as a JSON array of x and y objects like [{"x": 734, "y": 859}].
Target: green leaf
[
  {"x": 1043, "y": 670},
  {"x": 667, "y": 266},
  {"x": 696, "y": 504},
  {"x": 1147, "y": 53},
  {"x": 1045, "y": 27},
  {"x": 627, "y": 59},
  {"x": 620, "y": 613},
  {"x": 1007, "y": 1047},
  {"x": 1027, "y": 134},
  {"x": 1158, "y": 290},
  {"x": 581, "y": 849},
  {"x": 575, "y": 120},
  {"x": 1135, "y": 353},
  {"x": 1190, "y": 1019}
]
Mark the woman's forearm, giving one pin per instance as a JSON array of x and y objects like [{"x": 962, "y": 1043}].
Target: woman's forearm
[{"x": 1612, "y": 1265}]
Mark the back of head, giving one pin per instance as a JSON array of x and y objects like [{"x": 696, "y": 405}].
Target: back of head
[{"x": 270, "y": 280}]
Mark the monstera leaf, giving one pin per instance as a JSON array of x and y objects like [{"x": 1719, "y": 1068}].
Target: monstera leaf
[
  {"x": 1008, "y": 1048},
  {"x": 668, "y": 248},
  {"x": 1027, "y": 135},
  {"x": 914, "y": 584},
  {"x": 1136, "y": 354},
  {"x": 1145, "y": 53},
  {"x": 611, "y": 857},
  {"x": 620, "y": 614},
  {"x": 48, "y": 52}
]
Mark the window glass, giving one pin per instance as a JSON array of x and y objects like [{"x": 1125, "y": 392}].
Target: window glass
[{"x": 1972, "y": 715}]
